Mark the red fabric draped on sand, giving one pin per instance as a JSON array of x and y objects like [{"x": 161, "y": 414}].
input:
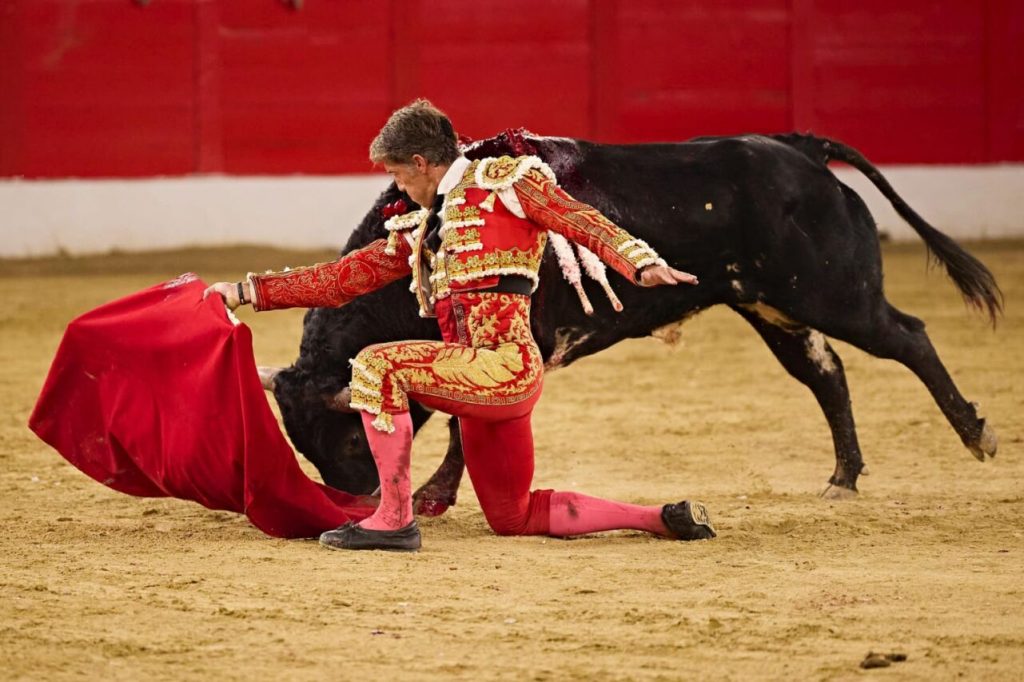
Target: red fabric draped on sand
[{"x": 157, "y": 395}]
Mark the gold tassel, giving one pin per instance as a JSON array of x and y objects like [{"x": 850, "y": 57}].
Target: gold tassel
[{"x": 384, "y": 423}]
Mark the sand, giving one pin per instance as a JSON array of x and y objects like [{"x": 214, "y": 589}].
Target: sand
[{"x": 927, "y": 561}]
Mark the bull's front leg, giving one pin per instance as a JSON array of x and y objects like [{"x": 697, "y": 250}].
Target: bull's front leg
[{"x": 437, "y": 494}]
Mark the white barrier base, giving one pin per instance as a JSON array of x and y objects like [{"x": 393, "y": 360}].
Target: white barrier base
[{"x": 46, "y": 217}]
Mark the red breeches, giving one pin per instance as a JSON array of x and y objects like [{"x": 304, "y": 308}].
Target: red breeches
[
  {"x": 488, "y": 372},
  {"x": 499, "y": 460},
  {"x": 487, "y": 367}
]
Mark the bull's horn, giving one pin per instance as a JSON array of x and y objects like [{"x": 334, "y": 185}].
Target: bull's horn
[
  {"x": 339, "y": 402},
  {"x": 268, "y": 376}
]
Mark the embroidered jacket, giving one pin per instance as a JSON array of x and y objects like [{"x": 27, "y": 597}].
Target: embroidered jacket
[{"x": 495, "y": 218}]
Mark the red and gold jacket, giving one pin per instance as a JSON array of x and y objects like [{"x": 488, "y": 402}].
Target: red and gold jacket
[{"x": 494, "y": 221}]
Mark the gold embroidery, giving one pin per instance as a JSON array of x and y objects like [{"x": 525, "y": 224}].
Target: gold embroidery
[
  {"x": 474, "y": 265},
  {"x": 405, "y": 221},
  {"x": 454, "y": 214},
  {"x": 478, "y": 367},
  {"x": 461, "y": 239},
  {"x": 503, "y": 365},
  {"x": 458, "y": 193},
  {"x": 421, "y": 288},
  {"x": 549, "y": 206},
  {"x": 500, "y": 169},
  {"x": 505, "y": 171},
  {"x": 460, "y": 268}
]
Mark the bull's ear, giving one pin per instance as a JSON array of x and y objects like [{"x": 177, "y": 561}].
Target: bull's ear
[
  {"x": 268, "y": 376},
  {"x": 339, "y": 402}
]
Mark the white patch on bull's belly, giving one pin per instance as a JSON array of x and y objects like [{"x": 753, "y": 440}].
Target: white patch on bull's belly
[
  {"x": 772, "y": 316},
  {"x": 672, "y": 333},
  {"x": 819, "y": 354},
  {"x": 564, "y": 343}
]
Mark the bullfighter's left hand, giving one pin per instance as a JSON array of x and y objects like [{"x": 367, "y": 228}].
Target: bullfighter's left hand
[
  {"x": 227, "y": 291},
  {"x": 656, "y": 275}
]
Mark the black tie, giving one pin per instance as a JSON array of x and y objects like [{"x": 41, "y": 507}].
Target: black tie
[{"x": 433, "y": 238}]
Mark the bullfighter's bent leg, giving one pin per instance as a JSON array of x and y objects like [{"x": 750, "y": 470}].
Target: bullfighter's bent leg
[
  {"x": 499, "y": 460},
  {"x": 500, "y": 382}
]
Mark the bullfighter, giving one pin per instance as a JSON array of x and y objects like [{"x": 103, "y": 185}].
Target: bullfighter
[{"x": 473, "y": 250}]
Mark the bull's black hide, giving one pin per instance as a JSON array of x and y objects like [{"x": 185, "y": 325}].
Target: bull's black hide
[{"x": 763, "y": 223}]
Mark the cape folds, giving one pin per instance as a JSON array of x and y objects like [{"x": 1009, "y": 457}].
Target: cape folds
[{"x": 157, "y": 395}]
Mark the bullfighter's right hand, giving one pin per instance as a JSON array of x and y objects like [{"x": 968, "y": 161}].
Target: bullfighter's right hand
[
  {"x": 229, "y": 292},
  {"x": 656, "y": 275}
]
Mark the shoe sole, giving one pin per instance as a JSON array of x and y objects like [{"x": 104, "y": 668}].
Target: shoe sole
[
  {"x": 700, "y": 516},
  {"x": 379, "y": 548}
]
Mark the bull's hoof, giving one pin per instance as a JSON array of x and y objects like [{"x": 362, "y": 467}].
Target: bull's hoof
[
  {"x": 986, "y": 445},
  {"x": 432, "y": 500},
  {"x": 837, "y": 492},
  {"x": 425, "y": 507}
]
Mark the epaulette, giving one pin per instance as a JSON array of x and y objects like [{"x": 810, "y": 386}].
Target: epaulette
[
  {"x": 406, "y": 221},
  {"x": 396, "y": 225},
  {"x": 500, "y": 173}
]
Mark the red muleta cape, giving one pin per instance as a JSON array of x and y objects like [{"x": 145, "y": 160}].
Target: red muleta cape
[{"x": 157, "y": 395}]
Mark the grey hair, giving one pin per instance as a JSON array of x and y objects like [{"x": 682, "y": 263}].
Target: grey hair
[{"x": 417, "y": 128}]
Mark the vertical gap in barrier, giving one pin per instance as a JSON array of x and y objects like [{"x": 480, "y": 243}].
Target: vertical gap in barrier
[
  {"x": 208, "y": 126},
  {"x": 801, "y": 58}
]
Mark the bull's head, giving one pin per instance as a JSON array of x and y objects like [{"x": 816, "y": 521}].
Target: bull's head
[{"x": 324, "y": 429}]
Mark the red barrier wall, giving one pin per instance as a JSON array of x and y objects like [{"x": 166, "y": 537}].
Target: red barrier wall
[{"x": 117, "y": 88}]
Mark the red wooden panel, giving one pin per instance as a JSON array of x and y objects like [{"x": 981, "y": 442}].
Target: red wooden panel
[
  {"x": 525, "y": 65},
  {"x": 1006, "y": 94},
  {"x": 669, "y": 71},
  {"x": 107, "y": 88},
  {"x": 902, "y": 81},
  {"x": 11, "y": 115},
  {"x": 302, "y": 91},
  {"x": 209, "y": 122}
]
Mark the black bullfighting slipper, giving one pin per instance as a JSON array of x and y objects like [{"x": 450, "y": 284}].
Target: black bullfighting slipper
[
  {"x": 688, "y": 521},
  {"x": 352, "y": 536}
]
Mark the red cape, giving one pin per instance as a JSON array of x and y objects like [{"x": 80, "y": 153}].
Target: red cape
[{"x": 157, "y": 395}]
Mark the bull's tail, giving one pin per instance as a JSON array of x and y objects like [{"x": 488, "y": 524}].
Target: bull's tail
[{"x": 975, "y": 282}]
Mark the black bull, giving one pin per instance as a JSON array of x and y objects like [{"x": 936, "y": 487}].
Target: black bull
[{"x": 763, "y": 223}]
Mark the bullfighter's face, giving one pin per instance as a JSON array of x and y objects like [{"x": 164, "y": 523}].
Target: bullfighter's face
[{"x": 417, "y": 178}]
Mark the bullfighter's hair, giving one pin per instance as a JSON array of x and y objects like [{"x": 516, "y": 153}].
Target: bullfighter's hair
[{"x": 418, "y": 128}]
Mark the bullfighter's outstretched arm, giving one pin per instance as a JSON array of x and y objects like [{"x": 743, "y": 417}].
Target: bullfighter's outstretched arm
[
  {"x": 336, "y": 283},
  {"x": 551, "y": 207}
]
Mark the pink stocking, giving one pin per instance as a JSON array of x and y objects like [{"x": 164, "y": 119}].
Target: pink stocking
[
  {"x": 576, "y": 514},
  {"x": 391, "y": 452}
]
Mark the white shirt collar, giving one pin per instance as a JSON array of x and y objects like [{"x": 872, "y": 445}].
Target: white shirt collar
[{"x": 453, "y": 175}]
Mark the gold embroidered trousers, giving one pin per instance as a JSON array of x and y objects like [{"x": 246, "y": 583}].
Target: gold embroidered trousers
[{"x": 487, "y": 367}]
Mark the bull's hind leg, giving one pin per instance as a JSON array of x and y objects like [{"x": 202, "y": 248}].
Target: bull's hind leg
[
  {"x": 901, "y": 337},
  {"x": 808, "y": 357}
]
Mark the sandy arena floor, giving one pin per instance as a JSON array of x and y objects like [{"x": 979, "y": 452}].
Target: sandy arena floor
[{"x": 927, "y": 561}]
